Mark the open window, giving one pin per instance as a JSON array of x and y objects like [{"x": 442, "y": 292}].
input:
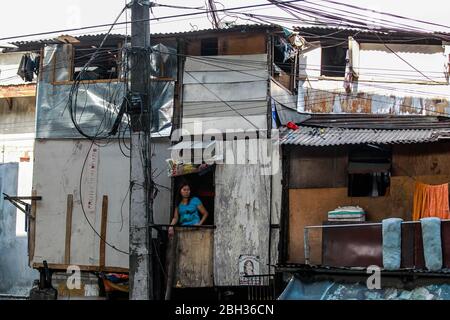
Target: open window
[
  {"x": 103, "y": 67},
  {"x": 202, "y": 187},
  {"x": 209, "y": 47},
  {"x": 334, "y": 61},
  {"x": 284, "y": 63},
  {"x": 369, "y": 171}
]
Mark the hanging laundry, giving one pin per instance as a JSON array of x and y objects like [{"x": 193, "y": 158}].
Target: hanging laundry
[
  {"x": 430, "y": 201},
  {"x": 285, "y": 48},
  {"x": 348, "y": 75},
  {"x": 27, "y": 67},
  {"x": 432, "y": 243}
]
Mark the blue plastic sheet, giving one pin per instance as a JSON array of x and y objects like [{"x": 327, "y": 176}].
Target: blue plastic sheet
[{"x": 329, "y": 290}]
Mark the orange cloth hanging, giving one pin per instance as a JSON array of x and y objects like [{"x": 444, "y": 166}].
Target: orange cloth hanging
[
  {"x": 431, "y": 201},
  {"x": 419, "y": 201}
]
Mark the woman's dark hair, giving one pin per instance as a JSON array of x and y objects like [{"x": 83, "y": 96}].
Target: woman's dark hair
[{"x": 179, "y": 197}]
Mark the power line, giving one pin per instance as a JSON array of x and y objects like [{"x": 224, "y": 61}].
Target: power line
[
  {"x": 388, "y": 14},
  {"x": 142, "y": 20}
]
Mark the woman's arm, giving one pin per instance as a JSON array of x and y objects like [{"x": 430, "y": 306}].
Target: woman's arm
[
  {"x": 175, "y": 218},
  {"x": 204, "y": 213},
  {"x": 174, "y": 221}
]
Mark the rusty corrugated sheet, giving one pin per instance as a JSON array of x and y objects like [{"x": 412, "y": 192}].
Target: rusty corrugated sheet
[
  {"x": 312, "y": 136},
  {"x": 335, "y": 102}
]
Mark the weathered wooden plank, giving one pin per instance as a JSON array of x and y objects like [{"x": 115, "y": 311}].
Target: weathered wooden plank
[
  {"x": 194, "y": 267},
  {"x": 32, "y": 230},
  {"x": 63, "y": 267},
  {"x": 242, "y": 44},
  {"x": 104, "y": 224},
  {"x": 68, "y": 228},
  {"x": 16, "y": 91}
]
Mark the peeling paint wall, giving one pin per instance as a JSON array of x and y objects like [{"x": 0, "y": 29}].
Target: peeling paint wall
[
  {"x": 386, "y": 83},
  {"x": 242, "y": 220}
]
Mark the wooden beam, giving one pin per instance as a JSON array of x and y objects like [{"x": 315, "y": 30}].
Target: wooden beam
[
  {"x": 104, "y": 223},
  {"x": 68, "y": 39},
  {"x": 63, "y": 267},
  {"x": 17, "y": 91},
  {"x": 70, "y": 82},
  {"x": 68, "y": 228},
  {"x": 32, "y": 230}
]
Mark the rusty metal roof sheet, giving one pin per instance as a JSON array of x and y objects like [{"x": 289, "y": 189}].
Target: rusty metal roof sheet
[{"x": 317, "y": 137}]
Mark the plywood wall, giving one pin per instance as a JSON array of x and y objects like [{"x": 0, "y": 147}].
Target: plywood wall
[
  {"x": 234, "y": 44},
  {"x": 194, "y": 266},
  {"x": 309, "y": 206}
]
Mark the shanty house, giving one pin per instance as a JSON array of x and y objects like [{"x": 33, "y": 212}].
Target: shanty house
[{"x": 366, "y": 133}]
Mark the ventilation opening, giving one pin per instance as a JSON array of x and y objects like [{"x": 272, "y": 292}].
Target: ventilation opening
[{"x": 334, "y": 61}]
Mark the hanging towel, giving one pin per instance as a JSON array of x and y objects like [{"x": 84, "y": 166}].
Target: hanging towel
[
  {"x": 437, "y": 202},
  {"x": 392, "y": 243},
  {"x": 431, "y": 201},
  {"x": 420, "y": 201},
  {"x": 432, "y": 246}
]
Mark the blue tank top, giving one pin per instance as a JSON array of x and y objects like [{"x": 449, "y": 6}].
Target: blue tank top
[{"x": 189, "y": 214}]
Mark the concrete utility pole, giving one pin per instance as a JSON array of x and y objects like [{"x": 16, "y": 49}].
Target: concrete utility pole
[{"x": 141, "y": 204}]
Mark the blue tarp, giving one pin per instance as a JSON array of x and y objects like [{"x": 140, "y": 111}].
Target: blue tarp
[{"x": 330, "y": 290}]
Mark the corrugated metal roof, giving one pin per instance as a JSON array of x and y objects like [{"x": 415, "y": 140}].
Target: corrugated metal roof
[
  {"x": 33, "y": 44},
  {"x": 366, "y": 29},
  {"x": 100, "y": 36},
  {"x": 317, "y": 137},
  {"x": 241, "y": 28},
  {"x": 373, "y": 121}
]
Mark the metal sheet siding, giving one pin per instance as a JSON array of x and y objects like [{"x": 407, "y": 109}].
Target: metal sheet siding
[
  {"x": 311, "y": 136},
  {"x": 226, "y": 92}
]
